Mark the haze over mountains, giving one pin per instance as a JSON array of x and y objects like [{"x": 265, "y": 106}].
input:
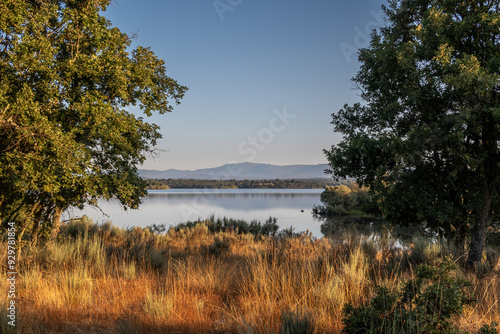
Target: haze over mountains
[{"x": 241, "y": 171}]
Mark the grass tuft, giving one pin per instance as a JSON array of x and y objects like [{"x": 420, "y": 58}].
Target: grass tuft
[{"x": 158, "y": 305}]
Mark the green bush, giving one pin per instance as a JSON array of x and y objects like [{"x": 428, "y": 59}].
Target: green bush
[
  {"x": 344, "y": 200},
  {"x": 426, "y": 304},
  {"x": 270, "y": 227},
  {"x": 157, "y": 229},
  {"x": 219, "y": 246}
]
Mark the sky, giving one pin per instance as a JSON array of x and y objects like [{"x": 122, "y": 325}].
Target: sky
[{"x": 264, "y": 76}]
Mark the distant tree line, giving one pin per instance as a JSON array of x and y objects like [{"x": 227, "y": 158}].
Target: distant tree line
[{"x": 241, "y": 184}]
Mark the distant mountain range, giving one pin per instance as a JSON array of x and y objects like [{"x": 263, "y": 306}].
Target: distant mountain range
[{"x": 241, "y": 171}]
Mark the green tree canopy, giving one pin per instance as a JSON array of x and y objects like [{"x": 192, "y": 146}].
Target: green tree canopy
[
  {"x": 66, "y": 137},
  {"x": 426, "y": 140}
]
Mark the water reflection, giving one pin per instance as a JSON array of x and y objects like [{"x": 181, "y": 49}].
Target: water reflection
[
  {"x": 367, "y": 227},
  {"x": 236, "y": 199},
  {"x": 175, "y": 206},
  {"x": 338, "y": 225}
]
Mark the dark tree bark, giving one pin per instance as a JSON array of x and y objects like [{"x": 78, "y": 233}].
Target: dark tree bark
[
  {"x": 56, "y": 222},
  {"x": 479, "y": 231}
]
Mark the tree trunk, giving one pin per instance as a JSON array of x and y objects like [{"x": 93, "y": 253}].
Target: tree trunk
[
  {"x": 478, "y": 236},
  {"x": 37, "y": 218},
  {"x": 20, "y": 244},
  {"x": 56, "y": 222}
]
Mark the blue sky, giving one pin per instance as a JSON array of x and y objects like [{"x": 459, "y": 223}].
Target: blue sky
[{"x": 264, "y": 77}]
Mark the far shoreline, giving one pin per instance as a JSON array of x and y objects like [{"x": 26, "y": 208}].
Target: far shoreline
[{"x": 164, "y": 184}]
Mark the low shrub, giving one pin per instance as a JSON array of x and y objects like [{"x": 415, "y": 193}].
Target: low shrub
[
  {"x": 256, "y": 228},
  {"x": 426, "y": 304},
  {"x": 220, "y": 246}
]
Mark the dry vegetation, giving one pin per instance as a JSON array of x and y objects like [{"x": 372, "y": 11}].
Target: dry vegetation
[{"x": 103, "y": 279}]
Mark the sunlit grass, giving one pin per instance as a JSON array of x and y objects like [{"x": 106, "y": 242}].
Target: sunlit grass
[
  {"x": 102, "y": 278},
  {"x": 158, "y": 305}
]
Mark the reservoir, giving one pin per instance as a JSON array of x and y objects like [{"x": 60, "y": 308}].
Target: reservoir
[{"x": 292, "y": 207}]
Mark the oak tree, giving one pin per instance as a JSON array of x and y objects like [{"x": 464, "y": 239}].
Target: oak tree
[
  {"x": 426, "y": 138},
  {"x": 67, "y": 136}
]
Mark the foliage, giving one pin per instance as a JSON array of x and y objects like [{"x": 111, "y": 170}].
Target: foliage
[
  {"x": 219, "y": 247},
  {"x": 157, "y": 228},
  {"x": 238, "y": 184},
  {"x": 67, "y": 137},
  {"x": 426, "y": 141},
  {"x": 269, "y": 228},
  {"x": 344, "y": 200},
  {"x": 426, "y": 304}
]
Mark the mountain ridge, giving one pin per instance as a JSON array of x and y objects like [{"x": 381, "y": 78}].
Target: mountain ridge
[{"x": 241, "y": 171}]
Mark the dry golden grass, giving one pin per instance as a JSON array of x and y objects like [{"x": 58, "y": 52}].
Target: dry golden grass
[{"x": 109, "y": 280}]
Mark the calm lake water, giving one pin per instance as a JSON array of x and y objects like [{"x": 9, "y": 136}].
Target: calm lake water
[{"x": 174, "y": 206}]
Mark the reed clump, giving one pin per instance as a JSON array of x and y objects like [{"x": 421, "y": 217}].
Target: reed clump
[{"x": 222, "y": 276}]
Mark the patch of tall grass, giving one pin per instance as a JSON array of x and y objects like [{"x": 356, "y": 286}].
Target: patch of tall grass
[
  {"x": 158, "y": 305},
  {"x": 222, "y": 275}
]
